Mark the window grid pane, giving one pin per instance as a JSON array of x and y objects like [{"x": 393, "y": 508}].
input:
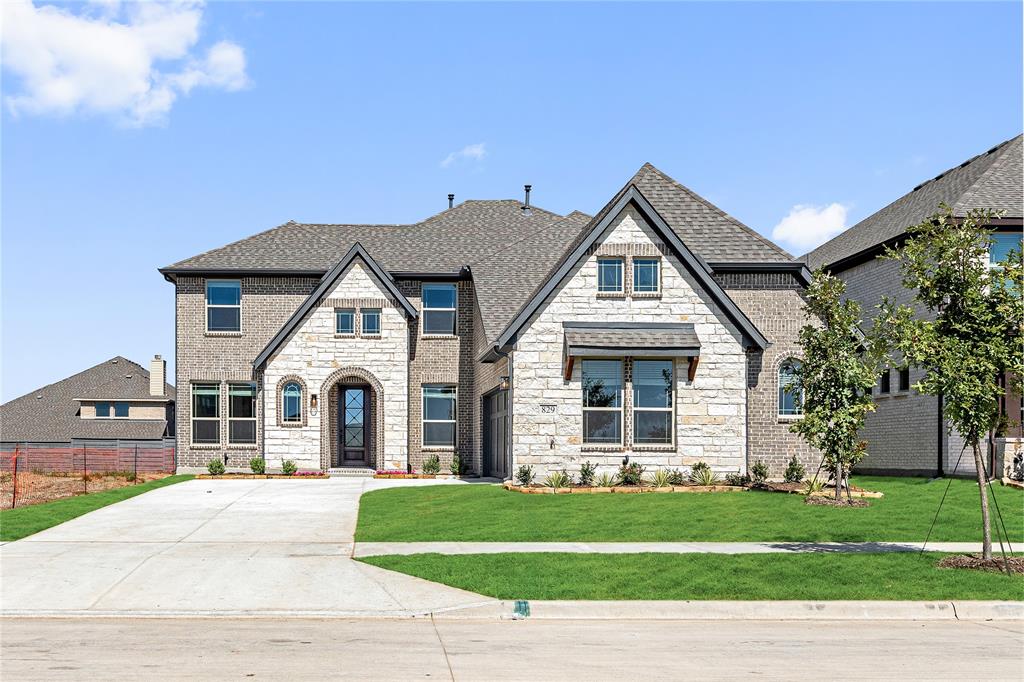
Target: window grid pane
[
  {"x": 371, "y": 321},
  {"x": 645, "y": 275},
  {"x": 344, "y": 321},
  {"x": 291, "y": 408},
  {"x": 789, "y": 399},
  {"x": 609, "y": 275}
]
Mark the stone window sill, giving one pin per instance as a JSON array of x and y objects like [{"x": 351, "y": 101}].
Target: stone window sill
[
  {"x": 247, "y": 446},
  {"x": 602, "y": 448},
  {"x": 344, "y": 336},
  {"x": 790, "y": 418},
  {"x": 205, "y": 446},
  {"x": 646, "y": 294},
  {"x": 438, "y": 448},
  {"x": 654, "y": 448},
  {"x": 375, "y": 336},
  {"x": 292, "y": 425},
  {"x": 224, "y": 335},
  {"x": 611, "y": 294},
  {"x": 434, "y": 337}
]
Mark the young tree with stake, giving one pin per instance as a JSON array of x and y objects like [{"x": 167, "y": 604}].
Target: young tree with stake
[{"x": 971, "y": 334}]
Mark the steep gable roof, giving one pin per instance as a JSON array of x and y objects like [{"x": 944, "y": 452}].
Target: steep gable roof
[
  {"x": 992, "y": 180},
  {"x": 324, "y": 287}
]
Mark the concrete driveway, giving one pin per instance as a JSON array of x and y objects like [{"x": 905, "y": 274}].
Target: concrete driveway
[{"x": 216, "y": 547}]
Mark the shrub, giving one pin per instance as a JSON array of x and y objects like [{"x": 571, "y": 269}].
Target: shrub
[
  {"x": 605, "y": 480},
  {"x": 676, "y": 477},
  {"x": 432, "y": 465},
  {"x": 524, "y": 475},
  {"x": 558, "y": 479},
  {"x": 794, "y": 471},
  {"x": 703, "y": 474},
  {"x": 458, "y": 468},
  {"x": 257, "y": 465},
  {"x": 288, "y": 468},
  {"x": 758, "y": 473},
  {"x": 661, "y": 478},
  {"x": 215, "y": 466},
  {"x": 813, "y": 485},
  {"x": 737, "y": 479},
  {"x": 587, "y": 471},
  {"x": 631, "y": 474}
]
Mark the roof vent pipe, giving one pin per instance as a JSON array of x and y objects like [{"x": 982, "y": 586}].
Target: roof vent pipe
[
  {"x": 526, "y": 202},
  {"x": 451, "y": 200}
]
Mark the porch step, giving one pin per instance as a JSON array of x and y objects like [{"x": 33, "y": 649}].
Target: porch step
[{"x": 352, "y": 472}]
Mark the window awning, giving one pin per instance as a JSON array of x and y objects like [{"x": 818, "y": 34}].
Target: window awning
[{"x": 618, "y": 339}]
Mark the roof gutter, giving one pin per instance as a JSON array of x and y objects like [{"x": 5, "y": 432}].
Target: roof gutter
[{"x": 797, "y": 268}]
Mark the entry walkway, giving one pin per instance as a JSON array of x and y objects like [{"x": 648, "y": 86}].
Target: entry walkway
[{"x": 364, "y": 549}]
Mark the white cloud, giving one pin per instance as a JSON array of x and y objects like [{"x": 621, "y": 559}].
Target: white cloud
[
  {"x": 105, "y": 58},
  {"x": 471, "y": 152},
  {"x": 806, "y": 227}
]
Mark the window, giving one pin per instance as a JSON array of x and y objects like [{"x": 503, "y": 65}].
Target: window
[
  {"x": 652, "y": 402},
  {"x": 602, "y": 401},
  {"x": 291, "y": 403},
  {"x": 242, "y": 414},
  {"x": 646, "y": 275},
  {"x": 102, "y": 409},
  {"x": 439, "y": 416},
  {"x": 121, "y": 410},
  {"x": 1002, "y": 244},
  {"x": 789, "y": 397},
  {"x": 223, "y": 305},
  {"x": 344, "y": 321},
  {"x": 205, "y": 413},
  {"x": 609, "y": 275},
  {"x": 905, "y": 379},
  {"x": 884, "y": 381},
  {"x": 371, "y": 321},
  {"x": 439, "y": 309}
]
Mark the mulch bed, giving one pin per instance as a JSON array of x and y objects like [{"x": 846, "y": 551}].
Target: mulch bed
[
  {"x": 240, "y": 476},
  {"x": 975, "y": 562},
  {"x": 36, "y": 488},
  {"x": 818, "y": 501}
]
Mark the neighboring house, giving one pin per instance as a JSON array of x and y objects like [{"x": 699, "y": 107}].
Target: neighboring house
[
  {"x": 907, "y": 432},
  {"x": 115, "y": 405},
  {"x": 661, "y": 330}
]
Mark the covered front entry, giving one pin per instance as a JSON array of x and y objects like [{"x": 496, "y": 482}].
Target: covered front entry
[
  {"x": 496, "y": 434},
  {"x": 354, "y": 425}
]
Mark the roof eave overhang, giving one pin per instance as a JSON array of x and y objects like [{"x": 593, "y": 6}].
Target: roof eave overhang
[{"x": 796, "y": 268}]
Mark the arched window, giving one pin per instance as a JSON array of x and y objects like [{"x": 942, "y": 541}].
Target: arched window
[
  {"x": 789, "y": 397},
  {"x": 291, "y": 402}
]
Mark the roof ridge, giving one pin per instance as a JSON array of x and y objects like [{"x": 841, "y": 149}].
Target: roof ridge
[
  {"x": 76, "y": 374},
  {"x": 1004, "y": 148},
  {"x": 509, "y": 245},
  {"x": 968, "y": 162}
]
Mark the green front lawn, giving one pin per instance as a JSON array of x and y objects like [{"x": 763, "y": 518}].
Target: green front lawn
[
  {"x": 488, "y": 513},
  {"x": 707, "y": 576},
  {"x": 18, "y": 523}
]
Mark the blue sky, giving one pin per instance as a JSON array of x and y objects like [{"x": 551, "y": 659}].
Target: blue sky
[{"x": 124, "y": 153}]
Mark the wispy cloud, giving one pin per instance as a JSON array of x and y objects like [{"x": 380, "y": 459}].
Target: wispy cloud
[
  {"x": 806, "y": 227},
  {"x": 106, "y": 58},
  {"x": 471, "y": 152}
]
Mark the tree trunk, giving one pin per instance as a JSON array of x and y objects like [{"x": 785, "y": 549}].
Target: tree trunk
[
  {"x": 979, "y": 465},
  {"x": 839, "y": 481}
]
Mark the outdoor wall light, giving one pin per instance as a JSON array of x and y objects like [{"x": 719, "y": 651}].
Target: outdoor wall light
[
  {"x": 503, "y": 383},
  {"x": 312, "y": 404}
]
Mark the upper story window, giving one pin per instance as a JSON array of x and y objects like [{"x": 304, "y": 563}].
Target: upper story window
[
  {"x": 291, "y": 402},
  {"x": 242, "y": 414},
  {"x": 103, "y": 409},
  {"x": 609, "y": 275},
  {"x": 905, "y": 379},
  {"x": 646, "y": 275},
  {"x": 223, "y": 305},
  {"x": 121, "y": 410},
  {"x": 206, "y": 413},
  {"x": 652, "y": 402},
  {"x": 371, "y": 321},
  {"x": 602, "y": 401},
  {"x": 1002, "y": 244},
  {"x": 885, "y": 381},
  {"x": 439, "y": 416},
  {"x": 439, "y": 306},
  {"x": 344, "y": 321},
  {"x": 790, "y": 402}
]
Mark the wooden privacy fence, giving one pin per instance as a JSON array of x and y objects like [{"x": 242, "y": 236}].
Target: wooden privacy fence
[{"x": 136, "y": 456}]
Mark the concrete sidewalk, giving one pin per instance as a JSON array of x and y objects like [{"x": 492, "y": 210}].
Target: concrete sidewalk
[{"x": 364, "y": 549}]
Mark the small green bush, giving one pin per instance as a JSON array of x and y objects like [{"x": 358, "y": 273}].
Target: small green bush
[
  {"x": 558, "y": 479},
  {"x": 703, "y": 474},
  {"x": 432, "y": 465},
  {"x": 457, "y": 467},
  {"x": 758, "y": 473},
  {"x": 215, "y": 466},
  {"x": 813, "y": 485},
  {"x": 258, "y": 465},
  {"x": 288, "y": 468},
  {"x": 794, "y": 471},
  {"x": 605, "y": 480},
  {"x": 737, "y": 479},
  {"x": 676, "y": 477},
  {"x": 587, "y": 471},
  {"x": 631, "y": 474},
  {"x": 524, "y": 475}
]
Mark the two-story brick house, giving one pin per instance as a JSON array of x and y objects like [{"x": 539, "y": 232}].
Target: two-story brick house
[{"x": 660, "y": 330}]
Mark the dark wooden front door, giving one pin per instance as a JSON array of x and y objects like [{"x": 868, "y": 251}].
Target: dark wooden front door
[
  {"x": 354, "y": 425},
  {"x": 496, "y": 429}
]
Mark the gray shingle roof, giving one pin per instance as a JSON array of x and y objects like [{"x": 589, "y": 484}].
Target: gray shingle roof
[
  {"x": 584, "y": 340},
  {"x": 50, "y": 414},
  {"x": 991, "y": 180}
]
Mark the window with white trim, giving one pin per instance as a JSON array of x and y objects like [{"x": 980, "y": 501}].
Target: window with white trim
[
  {"x": 103, "y": 409},
  {"x": 242, "y": 414},
  {"x": 439, "y": 309},
  {"x": 291, "y": 403},
  {"x": 371, "y": 321},
  {"x": 652, "y": 402},
  {"x": 344, "y": 321},
  {"x": 609, "y": 275},
  {"x": 223, "y": 305},
  {"x": 1002, "y": 244},
  {"x": 439, "y": 416},
  {"x": 789, "y": 395},
  {"x": 646, "y": 275},
  {"x": 206, "y": 413},
  {"x": 602, "y": 402}
]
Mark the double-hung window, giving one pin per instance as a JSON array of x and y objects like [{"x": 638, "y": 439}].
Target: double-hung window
[
  {"x": 790, "y": 403},
  {"x": 344, "y": 321},
  {"x": 602, "y": 401},
  {"x": 291, "y": 403},
  {"x": 646, "y": 275},
  {"x": 439, "y": 416},
  {"x": 242, "y": 414},
  {"x": 223, "y": 305},
  {"x": 206, "y": 413},
  {"x": 652, "y": 402},
  {"x": 609, "y": 275},
  {"x": 371, "y": 321},
  {"x": 439, "y": 306}
]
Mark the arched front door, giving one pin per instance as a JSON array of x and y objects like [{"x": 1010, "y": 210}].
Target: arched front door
[{"x": 354, "y": 425}]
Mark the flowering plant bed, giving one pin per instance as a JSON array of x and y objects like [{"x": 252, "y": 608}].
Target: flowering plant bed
[
  {"x": 591, "y": 490},
  {"x": 406, "y": 474},
  {"x": 244, "y": 476}
]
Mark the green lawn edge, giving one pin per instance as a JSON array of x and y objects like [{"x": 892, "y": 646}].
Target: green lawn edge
[
  {"x": 488, "y": 513},
  {"x": 739, "y": 577},
  {"x": 24, "y": 521}
]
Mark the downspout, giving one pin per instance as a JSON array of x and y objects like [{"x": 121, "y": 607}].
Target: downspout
[{"x": 508, "y": 410}]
